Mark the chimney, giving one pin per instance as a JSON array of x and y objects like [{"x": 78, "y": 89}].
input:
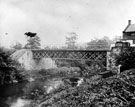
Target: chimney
[{"x": 129, "y": 22}]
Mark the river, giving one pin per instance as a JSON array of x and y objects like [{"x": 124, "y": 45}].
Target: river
[{"x": 13, "y": 95}]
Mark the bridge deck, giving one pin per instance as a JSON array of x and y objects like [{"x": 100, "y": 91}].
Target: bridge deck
[{"x": 91, "y": 55}]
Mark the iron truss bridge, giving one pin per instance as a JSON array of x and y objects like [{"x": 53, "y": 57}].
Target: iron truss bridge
[{"x": 89, "y": 55}]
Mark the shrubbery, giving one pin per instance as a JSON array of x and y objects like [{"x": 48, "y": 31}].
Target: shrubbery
[
  {"x": 8, "y": 68},
  {"x": 126, "y": 59},
  {"x": 87, "y": 68},
  {"x": 110, "y": 92},
  {"x": 34, "y": 90}
]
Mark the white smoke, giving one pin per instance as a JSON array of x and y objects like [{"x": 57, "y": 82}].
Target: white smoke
[
  {"x": 79, "y": 82},
  {"x": 20, "y": 103}
]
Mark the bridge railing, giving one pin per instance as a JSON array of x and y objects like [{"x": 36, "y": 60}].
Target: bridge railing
[{"x": 88, "y": 55}]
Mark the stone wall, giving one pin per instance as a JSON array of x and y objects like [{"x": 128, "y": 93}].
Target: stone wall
[
  {"x": 115, "y": 51},
  {"x": 25, "y": 58}
]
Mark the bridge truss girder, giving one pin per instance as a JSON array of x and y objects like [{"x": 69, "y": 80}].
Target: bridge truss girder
[{"x": 99, "y": 56}]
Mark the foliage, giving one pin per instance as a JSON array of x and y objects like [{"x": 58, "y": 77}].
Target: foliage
[
  {"x": 17, "y": 46},
  {"x": 8, "y": 71},
  {"x": 96, "y": 44},
  {"x": 47, "y": 47},
  {"x": 116, "y": 91},
  {"x": 126, "y": 59},
  {"x": 34, "y": 90},
  {"x": 33, "y": 41},
  {"x": 30, "y": 34},
  {"x": 71, "y": 41},
  {"x": 60, "y": 72},
  {"x": 72, "y": 68},
  {"x": 87, "y": 68}
]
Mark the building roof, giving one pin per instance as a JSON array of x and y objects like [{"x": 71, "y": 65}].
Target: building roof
[{"x": 130, "y": 28}]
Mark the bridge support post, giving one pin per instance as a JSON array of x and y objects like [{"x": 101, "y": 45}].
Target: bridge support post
[{"x": 108, "y": 61}]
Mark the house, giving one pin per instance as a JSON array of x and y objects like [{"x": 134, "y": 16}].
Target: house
[{"x": 129, "y": 33}]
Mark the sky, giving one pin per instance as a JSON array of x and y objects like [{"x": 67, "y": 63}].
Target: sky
[{"x": 53, "y": 20}]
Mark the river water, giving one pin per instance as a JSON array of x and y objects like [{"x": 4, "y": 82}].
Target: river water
[{"x": 12, "y": 95}]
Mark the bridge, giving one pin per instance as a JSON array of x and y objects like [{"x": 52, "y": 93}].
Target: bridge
[{"x": 99, "y": 56}]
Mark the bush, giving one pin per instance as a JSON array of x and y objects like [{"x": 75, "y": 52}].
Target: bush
[
  {"x": 109, "y": 92},
  {"x": 88, "y": 68},
  {"x": 60, "y": 72},
  {"x": 126, "y": 59},
  {"x": 34, "y": 90},
  {"x": 8, "y": 68}
]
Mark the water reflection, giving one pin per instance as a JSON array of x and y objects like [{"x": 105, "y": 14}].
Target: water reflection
[{"x": 16, "y": 95}]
